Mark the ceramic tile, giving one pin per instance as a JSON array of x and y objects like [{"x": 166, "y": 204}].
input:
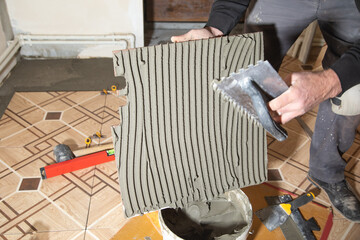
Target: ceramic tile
[
  {"x": 14, "y": 156},
  {"x": 103, "y": 234},
  {"x": 354, "y": 232},
  {"x": 282, "y": 185},
  {"x": 94, "y": 104},
  {"x": 79, "y": 97},
  {"x": 72, "y": 138},
  {"x": 28, "y": 184},
  {"x": 354, "y": 151},
  {"x": 37, "y": 98},
  {"x": 35, "y": 210},
  {"x": 131, "y": 229},
  {"x": 115, "y": 219},
  {"x": 19, "y": 104},
  {"x": 20, "y": 139},
  {"x": 293, "y": 174},
  {"x": 75, "y": 202},
  {"x": 339, "y": 229},
  {"x": 274, "y": 175},
  {"x": 302, "y": 155},
  {"x": 63, "y": 206},
  {"x": 288, "y": 147},
  {"x": 275, "y": 160},
  {"x": 53, "y": 116},
  {"x": 9, "y": 127},
  {"x": 33, "y": 115},
  {"x": 72, "y": 115},
  {"x": 9, "y": 181}
]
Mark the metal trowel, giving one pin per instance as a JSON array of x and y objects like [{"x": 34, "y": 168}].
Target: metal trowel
[
  {"x": 274, "y": 216},
  {"x": 251, "y": 89}
]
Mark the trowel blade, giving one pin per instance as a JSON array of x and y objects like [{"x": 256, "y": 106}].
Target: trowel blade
[
  {"x": 272, "y": 217},
  {"x": 250, "y": 89}
]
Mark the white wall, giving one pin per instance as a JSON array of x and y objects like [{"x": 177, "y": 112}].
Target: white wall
[
  {"x": 2, "y": 39},
  {"x": 77, "y": 17}
]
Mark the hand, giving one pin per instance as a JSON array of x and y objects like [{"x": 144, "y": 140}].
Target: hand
[
  {"x": 202, "y": 33},
  {"x": 307, "y": 89}
]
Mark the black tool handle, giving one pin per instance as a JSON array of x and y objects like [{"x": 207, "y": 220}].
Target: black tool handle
[
  {"x": 302, "y": 200},
  {"x": 251, "y": 88}
]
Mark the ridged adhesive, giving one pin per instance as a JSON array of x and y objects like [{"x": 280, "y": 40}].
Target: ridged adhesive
[{"x": 179, "y": 140}]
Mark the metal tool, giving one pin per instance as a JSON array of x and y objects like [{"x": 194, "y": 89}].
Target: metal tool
[
  {"x": 251, "y": 89},
  {"x": 295, "y": 227},
  {"x": 274, "y": 216},
  {"x": 68, "y": 161}
]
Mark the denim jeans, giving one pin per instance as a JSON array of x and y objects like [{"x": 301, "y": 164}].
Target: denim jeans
[{"x": 282, "y": 21}]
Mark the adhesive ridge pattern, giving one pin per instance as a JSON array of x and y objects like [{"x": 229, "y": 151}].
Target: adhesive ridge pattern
[{"x": 179, "y": 140}]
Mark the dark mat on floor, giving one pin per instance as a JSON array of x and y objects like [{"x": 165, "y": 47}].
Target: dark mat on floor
[{"x": 59, "y": 75}]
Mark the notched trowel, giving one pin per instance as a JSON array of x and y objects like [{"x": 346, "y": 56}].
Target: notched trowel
[{"x": 251, "y": 89}]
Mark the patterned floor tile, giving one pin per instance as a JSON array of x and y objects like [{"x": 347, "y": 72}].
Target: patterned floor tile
[
  {"x": 288, "y": 147},
  {"x": 86, "y": 204}
]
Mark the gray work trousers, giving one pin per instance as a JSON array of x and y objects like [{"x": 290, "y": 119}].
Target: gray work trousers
[{"x": 282, "y": 21}]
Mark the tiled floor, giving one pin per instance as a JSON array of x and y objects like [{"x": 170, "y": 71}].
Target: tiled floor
[{"x": 86, "y": 204}]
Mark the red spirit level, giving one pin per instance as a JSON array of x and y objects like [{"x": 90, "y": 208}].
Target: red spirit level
[{"x": 77, "y": 163}]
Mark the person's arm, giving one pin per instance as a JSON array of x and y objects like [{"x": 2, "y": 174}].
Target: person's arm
[
  {"x": 308, "y": 89},
  {"x": 348, "y": 67},
  {"x": 224, "y": 15}
]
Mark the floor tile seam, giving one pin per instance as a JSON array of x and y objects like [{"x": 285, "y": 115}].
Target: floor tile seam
[
  {"x": 54, "y": 100},
  {"x": 352, "y": 156},
  {"x": 28, "y": 110},
  {"x": 10, "y": 168},
  {"x": 25, "y": 214},
  {"x": 87, "y": 113},
  {"x": 18, "y": 118},
  {"x": 92, "y": 234},
  {"x": 62, "y": 192},
  {"x": 89, "y": 227},
  {"x": 80, "y": 183},
  {"x": 291, "y": 155},
  {"x": 77, "y": 235},
  {"x": 297, "y": 164},
  {"x": 33, "y": 158},
  {"x": 155, "y": 226},
  {"x": 99, "y": 171},
  {"x": 90, "y": 200},
  {"x": 61, "y": 210},
  {"x": 10, "y": 195},
  {"x": 347, "y": 231},
  {"x": 33, "y": 103},
  {"x": 302, "y": 134},
  {"x": 103, "y": 185},
  {"x": 79, "y": 104},
  {"x": 352, "y": 177},
  {"x": 22, "y": 130},
  {"x": 303, "y": 191},
  {"x": 78, "y": 131}
]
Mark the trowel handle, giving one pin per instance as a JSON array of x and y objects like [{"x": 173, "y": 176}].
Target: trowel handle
[{"x": 302, "y": 200}]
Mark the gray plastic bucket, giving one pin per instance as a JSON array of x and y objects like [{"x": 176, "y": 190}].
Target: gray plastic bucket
[{"x": 224, "y": 218}]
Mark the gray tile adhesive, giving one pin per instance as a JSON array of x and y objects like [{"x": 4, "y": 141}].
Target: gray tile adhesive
[{"x": 179, "y": 141}]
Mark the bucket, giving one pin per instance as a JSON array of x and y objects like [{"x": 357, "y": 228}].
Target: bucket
[{"x": 228, "y": 217}]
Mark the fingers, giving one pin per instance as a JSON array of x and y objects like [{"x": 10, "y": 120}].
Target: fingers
[
  {"x": 281, "y": 101},
  {"x": 286, "y": 117},
  {"x": 287, "y": 106},
  {"x": 194, "y": 34},
  {"x": 181, "y": 38}
]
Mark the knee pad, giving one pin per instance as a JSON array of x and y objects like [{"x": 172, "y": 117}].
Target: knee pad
[{"x": 349, "y": 102}]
